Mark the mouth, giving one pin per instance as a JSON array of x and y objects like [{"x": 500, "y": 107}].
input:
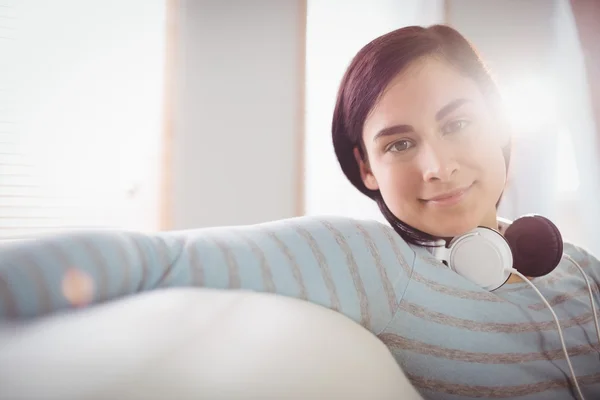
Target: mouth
[{"x": 449, "y": 198}]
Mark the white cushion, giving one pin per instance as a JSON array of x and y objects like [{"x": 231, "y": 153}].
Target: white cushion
[{"x": 198, "y": 344}]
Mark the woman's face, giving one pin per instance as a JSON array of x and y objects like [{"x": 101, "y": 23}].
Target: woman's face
[{"x": 434, "y": 150}]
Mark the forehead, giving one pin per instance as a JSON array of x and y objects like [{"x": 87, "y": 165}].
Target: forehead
[{"x": 418, "y": 93}]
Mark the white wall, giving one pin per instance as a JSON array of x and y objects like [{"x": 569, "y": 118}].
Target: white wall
[
  {"x": 336, "y": 30},
  {"x": 236, "y": 143}
]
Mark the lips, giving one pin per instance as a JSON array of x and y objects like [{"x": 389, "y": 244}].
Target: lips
[{"x": 450, "y": 197}]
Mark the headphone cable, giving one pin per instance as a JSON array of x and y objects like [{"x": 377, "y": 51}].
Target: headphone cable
[
  {"x": 587, "y": 281},
  {"x": 560, "y": 333}
]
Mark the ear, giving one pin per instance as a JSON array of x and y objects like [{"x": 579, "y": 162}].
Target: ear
[{"x": 365, "y": 172}]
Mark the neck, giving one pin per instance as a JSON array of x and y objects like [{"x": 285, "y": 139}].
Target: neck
[{"x": 490, "y": 220}]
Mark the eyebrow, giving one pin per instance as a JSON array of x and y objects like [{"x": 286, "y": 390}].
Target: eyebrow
[{"x": 397, "y": 129}]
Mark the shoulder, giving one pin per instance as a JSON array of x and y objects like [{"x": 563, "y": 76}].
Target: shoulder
[
  {"x": 579, "y": 253},
  {"x": 588, "y": 262}
]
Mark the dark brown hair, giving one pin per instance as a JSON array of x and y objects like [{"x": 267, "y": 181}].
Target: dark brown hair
[{"x": 368, "y": 75}]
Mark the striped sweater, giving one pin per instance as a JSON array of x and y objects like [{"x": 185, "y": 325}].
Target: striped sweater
[{"x": 453, "y": 339}]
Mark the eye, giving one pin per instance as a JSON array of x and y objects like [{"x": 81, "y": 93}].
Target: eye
[
  {"x": 400, "y": 145},
  {"x": 455, "y": 126}
]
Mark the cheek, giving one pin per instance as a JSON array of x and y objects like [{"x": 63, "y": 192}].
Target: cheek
[
  {"x": 398, "y": 183},
  {"x": 499, "y": 172},
  {"x": 493, "y": 169}
]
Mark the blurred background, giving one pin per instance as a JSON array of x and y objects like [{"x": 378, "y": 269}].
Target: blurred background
[{"x": 177, "y": 114}]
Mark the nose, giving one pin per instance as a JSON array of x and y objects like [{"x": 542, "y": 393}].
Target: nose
[{"x": 438, "y": 163}]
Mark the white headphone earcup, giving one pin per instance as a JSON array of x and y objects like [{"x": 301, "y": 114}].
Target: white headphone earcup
[{"x": 482, "y": 256}]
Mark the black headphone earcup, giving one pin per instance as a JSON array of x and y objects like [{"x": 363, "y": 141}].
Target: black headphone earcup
[{"x": 536, "y": 245}]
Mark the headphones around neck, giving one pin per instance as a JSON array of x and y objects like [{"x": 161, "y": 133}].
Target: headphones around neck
[{"x": 532, "y": 245}]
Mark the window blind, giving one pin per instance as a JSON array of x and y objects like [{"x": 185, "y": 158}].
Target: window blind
[
  {"x": 29, "y": 203},
  {"x": 80, "y": 115},
  {"x": 17, "y": 186}
]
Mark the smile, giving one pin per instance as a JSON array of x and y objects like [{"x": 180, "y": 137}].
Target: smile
[{"x": 449, "y": 198}]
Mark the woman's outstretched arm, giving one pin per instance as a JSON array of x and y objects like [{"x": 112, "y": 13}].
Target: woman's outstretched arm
[{"x": 359, "y": 268}]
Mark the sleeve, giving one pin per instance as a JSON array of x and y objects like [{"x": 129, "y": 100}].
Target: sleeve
[
  {"x": 359, "y": 268},
  {"x": 74, "y": 269}
]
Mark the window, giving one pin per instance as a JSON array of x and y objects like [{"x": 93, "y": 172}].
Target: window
[{"x": 80, "y": 114}]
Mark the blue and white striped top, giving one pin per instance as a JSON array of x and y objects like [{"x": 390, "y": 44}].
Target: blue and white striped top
[{"x": 453, "y": 339}]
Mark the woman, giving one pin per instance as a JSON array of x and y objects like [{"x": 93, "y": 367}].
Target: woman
[{"x": 418, "y": 127}]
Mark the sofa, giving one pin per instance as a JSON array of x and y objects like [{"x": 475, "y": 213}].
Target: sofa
[{"x": 245, "y": 312}]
